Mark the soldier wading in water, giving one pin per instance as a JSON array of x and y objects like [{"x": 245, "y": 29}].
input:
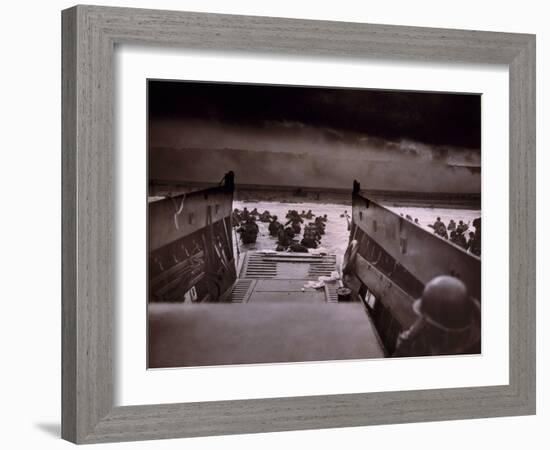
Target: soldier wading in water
[
  {"x": 249, "y": 231},
  {"x": 285, "y": 238},
  {"x": 274, "y": 226}
]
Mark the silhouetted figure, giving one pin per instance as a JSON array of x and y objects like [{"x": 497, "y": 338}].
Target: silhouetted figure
[
  {"x": 320, "y": 225},
  {"x": 311, "y": 237},
  {"x": 458, "y": 239},
  {"x": 249, "y": 231},
  {"x": 439, "y": 228},
  {"x": 236, "y": 217},
  {"x": 284, "y": 238},
  {"x": 438, "y": 223},
  {"x": 265, "y": 216},
  {"x": 474, "y": 245},
  {"x": 298, "y": 248},
  {"x": 471, "y": 239},
  {"x": 274, "y": 226},
  {"x": 294, "y": 221},
  {"x": 462, "y": 227},
  {"x": 448, "y": 321},
  {"x": 461, "y": 241}
]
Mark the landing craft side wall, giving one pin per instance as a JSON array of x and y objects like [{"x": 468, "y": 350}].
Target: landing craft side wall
[
  {"x": 395, "y": 299},
  {"x": 420, "y": 252},
  {"x": 190, "y": 246},
  {"x": 173, "y": 218}
]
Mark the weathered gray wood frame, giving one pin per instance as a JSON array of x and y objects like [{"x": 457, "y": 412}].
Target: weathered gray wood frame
[{"x": 89, "y": 36}]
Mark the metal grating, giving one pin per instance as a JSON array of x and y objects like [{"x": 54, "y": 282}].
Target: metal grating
[
  {"x": 330, "y": 292},
  {"x": 322, "y": 267},
  {"x": 289, "y": 266},
  {"x": 258, "y": 267},
  {"x": 241, "y": 291}
]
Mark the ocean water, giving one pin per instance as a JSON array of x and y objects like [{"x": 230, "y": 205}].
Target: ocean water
[
  {"x": 427, "y": 216},
  {"x": 336, "y": 237}
]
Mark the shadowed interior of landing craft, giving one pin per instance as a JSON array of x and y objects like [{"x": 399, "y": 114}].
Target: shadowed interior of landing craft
[{"x": 303, "y": 329}]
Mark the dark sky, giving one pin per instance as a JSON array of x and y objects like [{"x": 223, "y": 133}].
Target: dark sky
[{"x": 441, "y": 119}]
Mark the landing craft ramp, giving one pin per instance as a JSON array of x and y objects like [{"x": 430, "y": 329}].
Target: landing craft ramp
[
  {"x": 267, "y": 318},
  {"x": 205, "y": 311},
  {"x": 280, "y": 277}
]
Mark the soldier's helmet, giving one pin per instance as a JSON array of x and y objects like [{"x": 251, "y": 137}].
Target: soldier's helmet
[{"x": 445, "y": 304}]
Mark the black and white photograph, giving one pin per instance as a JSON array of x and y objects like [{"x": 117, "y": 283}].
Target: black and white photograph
[
  {"x": 258, "y": 225},
  {"x": 291, "y": 224}
]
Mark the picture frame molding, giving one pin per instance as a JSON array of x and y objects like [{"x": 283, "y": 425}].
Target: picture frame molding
[{"x": 89, "y": 37}]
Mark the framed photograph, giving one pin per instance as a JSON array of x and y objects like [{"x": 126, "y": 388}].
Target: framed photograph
[{"x": 275, "y": 224}]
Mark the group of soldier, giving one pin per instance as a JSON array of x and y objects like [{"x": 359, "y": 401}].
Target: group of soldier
[
  {"x": 287, "y": 233},
  {"x": 456, "y": 233},
  {"x": 245, "y": 221}
]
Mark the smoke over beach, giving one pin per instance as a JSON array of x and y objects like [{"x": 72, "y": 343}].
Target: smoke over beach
[{"x": 314, "y": 138}]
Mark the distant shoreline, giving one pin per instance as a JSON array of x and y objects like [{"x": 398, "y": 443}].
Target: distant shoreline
[
  {"x": 294, "y": 194},
  {"x": 409, "y": 199}
]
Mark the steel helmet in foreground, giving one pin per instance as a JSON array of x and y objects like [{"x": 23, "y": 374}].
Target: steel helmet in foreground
[{"x": 445, "y": 304}]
